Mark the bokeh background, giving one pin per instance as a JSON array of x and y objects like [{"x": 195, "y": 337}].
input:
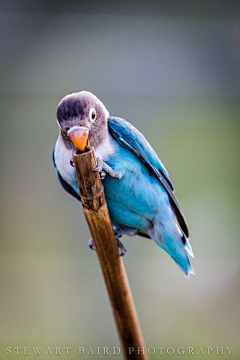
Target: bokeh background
[{"x": 172, "y": 68}]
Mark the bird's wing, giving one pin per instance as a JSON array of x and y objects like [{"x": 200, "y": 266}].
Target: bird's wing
[
  {"x": 129, "y": 137},
  {"x": 64, "y": 184}
]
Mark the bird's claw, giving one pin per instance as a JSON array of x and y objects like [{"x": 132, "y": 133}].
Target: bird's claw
[
  {"x": 101, "y": 172},
  {"x": 99, "y": 166},
  {"x": 91, "y": 245},
  {"x": 104, "y": 169},
  {"x": 99, "y": 169},
  {"x": 121, "y": 247}
]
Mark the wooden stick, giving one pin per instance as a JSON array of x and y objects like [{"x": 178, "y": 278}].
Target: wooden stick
[{"x": 100, "y": 226}]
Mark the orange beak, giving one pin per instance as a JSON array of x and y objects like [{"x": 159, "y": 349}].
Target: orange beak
[{"x": 79, "y": 136}]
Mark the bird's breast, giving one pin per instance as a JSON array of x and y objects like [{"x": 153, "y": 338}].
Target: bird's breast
[{"x": 63, "y": 157}]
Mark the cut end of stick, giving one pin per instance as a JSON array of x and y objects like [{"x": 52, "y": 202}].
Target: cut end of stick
[{"x": 77, "y": 152}]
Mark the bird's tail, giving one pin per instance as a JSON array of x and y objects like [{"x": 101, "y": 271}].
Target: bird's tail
[
  {"x": 182, "y": 260},
  {"x": 178, "y": 248}
]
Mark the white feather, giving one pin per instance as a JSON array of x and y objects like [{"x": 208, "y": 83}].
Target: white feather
[
  {"x": 104, "y": 150},
  {"x": 63, "y": 157}
]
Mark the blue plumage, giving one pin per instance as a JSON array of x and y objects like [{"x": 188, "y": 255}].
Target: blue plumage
[{"x": 138, "y": 189}]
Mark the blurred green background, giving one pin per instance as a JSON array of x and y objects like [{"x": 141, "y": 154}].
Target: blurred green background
[{"x": 172, "y": 68}]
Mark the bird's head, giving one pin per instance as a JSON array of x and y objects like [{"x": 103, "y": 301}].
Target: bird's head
[{"x": 81, "y": 117}]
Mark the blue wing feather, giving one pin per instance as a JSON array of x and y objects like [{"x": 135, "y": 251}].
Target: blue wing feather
[
  {"x": 129, "y": 137},
  {"x": 126, "y": 132}
]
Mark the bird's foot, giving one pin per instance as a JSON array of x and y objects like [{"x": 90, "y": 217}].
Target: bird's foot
[
  {"x": 91, "y": 245},
  {"x": 109, "y": 170},
  {"x": 99, "y": 169},
  {"x": 121, "y": 247},
  {"x": 103, "y": 174},
  {"x": 99, "y": 166},
  {"x": 104, "y": 169},
  {"x": 119, "y": 232}
]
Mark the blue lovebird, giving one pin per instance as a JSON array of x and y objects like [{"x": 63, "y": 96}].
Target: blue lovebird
[{"x": 138, "y": 189}]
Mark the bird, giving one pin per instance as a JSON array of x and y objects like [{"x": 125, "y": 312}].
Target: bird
[{"x": 138, "y": 189}]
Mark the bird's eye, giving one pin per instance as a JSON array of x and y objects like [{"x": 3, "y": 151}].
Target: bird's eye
[{"x": 92, "y": 114}]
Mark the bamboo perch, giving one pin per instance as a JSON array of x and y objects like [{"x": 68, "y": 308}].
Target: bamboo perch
[{"x": 100, "y": 226}]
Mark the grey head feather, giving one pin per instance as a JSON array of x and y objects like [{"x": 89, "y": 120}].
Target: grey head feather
[{"x": 74, "y": 109}]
